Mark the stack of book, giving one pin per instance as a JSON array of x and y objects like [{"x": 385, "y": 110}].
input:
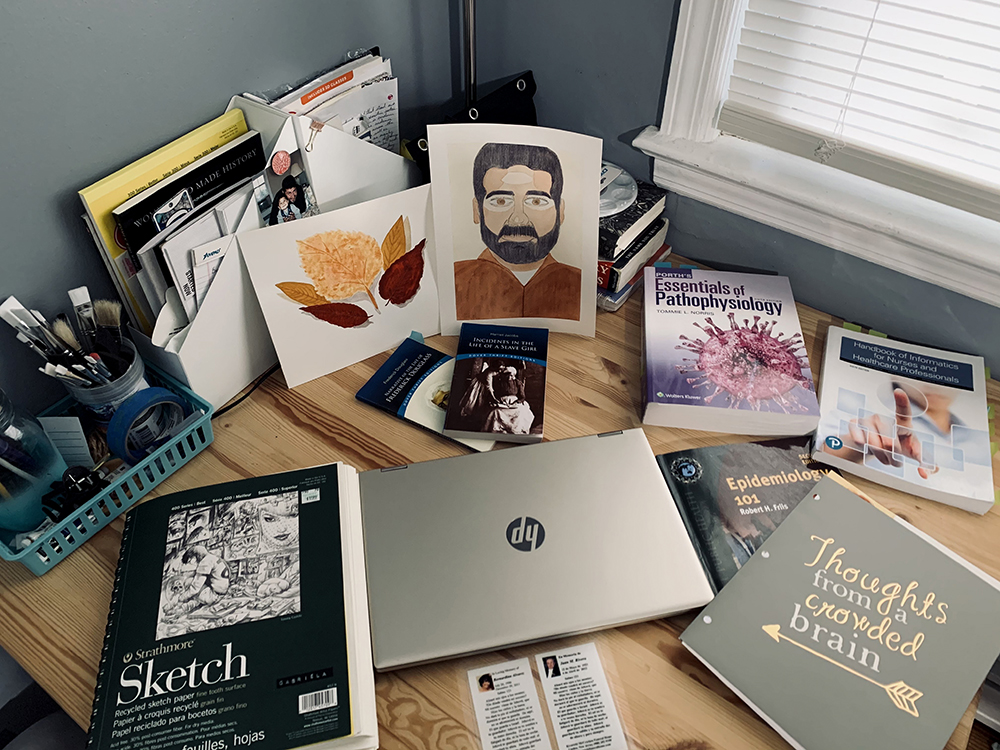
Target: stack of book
[{"x": 627, "y": 242}]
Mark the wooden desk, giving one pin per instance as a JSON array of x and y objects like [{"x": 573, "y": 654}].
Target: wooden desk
[{"x": 54, "y": 625}]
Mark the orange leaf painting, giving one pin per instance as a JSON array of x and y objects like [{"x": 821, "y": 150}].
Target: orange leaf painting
[
  {"x": 394, "y": 245},
  {"x": 341, "y": 264},
  {"x": 304, "y": 294}
]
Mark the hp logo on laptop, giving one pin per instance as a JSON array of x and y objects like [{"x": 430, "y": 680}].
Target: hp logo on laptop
[{"x": 525, "y": 534}]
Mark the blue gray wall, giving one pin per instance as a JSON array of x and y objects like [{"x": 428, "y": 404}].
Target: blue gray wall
[
  {"x": 601, "y": 69},
  {"x": 89, "y": 87}
]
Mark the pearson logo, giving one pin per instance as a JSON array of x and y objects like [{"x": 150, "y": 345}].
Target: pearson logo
[{"x": 525, "y": 534}]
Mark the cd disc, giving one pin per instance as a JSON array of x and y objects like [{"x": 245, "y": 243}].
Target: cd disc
[{"x": 619, "y": 193}]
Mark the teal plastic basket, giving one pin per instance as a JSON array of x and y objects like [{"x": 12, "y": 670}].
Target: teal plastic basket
[{"x": 71, "y": 532}]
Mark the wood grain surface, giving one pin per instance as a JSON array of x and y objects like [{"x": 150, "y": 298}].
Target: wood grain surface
[{"x": 54, "y": 625}]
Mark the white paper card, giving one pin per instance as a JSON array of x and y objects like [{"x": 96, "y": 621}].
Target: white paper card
[
  {"x": 507, "y": 707},
  {"x": 579, "y": 699},
  {"x": 332, "y": 264}
]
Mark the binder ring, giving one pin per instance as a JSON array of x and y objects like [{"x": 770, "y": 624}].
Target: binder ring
[
  {"x": 521, "y": 85},
  {"x": 473, "y": 113},
  {"x": 422, "y": 144}
]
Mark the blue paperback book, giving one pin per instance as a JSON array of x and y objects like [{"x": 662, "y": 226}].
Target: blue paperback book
[
  {"x": 499, "y": 384},
  {"x": 414, "y": 384}
]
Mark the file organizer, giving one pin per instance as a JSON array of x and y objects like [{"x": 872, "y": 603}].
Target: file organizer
[
  {"x": 67, "y": 535},
  {"x": 227, "y": 345}
]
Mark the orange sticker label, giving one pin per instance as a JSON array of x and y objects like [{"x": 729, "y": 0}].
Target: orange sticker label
[{"x": 328, "y": 86}]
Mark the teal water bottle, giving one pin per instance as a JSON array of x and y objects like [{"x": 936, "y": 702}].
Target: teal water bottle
[{"x": 29, "y": 464}]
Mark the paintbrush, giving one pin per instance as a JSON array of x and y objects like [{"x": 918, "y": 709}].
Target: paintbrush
[
  {"x": 108, "y": 337},
  {"x": 64, "y": 330},
  {"x": 18, "y": 318},
  {"x": 61, "y": 327},
  {"x": 84, "y": 309}
]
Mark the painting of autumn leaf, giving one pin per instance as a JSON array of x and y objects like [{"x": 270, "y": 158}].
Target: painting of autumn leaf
[
  {"x": 304, "y": 294},
  {"x": 394, "y": 245},
  {"x": 346, "y": 284},
  {"x": 341, "y": 264},
  {"x": 402, "y": 279},
  {"x": 339, "y": 314}
]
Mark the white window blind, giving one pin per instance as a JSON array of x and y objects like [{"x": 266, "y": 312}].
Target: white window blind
[{"x": 905, "y": 92}]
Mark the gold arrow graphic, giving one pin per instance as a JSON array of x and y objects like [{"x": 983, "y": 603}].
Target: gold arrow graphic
[{"x": 903, "y": 696}]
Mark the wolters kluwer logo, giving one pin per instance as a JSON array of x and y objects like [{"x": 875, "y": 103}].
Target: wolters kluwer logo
[{"x": 525, "y": 534}]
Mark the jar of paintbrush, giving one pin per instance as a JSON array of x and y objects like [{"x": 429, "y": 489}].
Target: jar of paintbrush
[
  {"x": 119, "y": 369},
  {"x": 99, "y": 367},
  {"x": 29, "y": 464}
]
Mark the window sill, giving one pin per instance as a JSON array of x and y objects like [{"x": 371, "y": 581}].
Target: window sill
[{"x": 930, "y": 241}]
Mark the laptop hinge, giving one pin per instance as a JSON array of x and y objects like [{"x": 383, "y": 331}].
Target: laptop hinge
[
  {"x": 395, "y": 468},
  {"x": 607, "y": 434}
]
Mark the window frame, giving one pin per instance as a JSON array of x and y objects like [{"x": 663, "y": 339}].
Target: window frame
[{"x": 931, "y": 241}]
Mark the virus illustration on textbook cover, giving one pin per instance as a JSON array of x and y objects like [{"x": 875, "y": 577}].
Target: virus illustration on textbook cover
[
  {"x": 748, "y": 362},
  {"x": 756, "y": 362}
]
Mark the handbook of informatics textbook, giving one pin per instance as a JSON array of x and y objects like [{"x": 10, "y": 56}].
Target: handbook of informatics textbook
[
  {"x": 724, "y": 352},
  {"x": 906, "y": 416}
]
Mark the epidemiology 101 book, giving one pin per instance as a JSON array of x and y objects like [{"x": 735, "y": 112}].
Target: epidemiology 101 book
[
  {"x": 239, "y": 617},
  {"x": 731, "y": 497},
  {"x": 907, "y": 416},
  {"x": 723, "y": 351}
]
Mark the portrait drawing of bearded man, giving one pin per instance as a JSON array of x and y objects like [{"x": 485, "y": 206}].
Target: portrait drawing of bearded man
[{"x": 519, "y": 208}]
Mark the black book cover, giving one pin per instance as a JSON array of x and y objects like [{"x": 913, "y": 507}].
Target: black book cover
[
  {"x": 143, "y": 217},
  {"x": 732, "y": 497},
  {"x": 498, "y": 389},
  {"x": 227, "y": 623},
  {"x": 648, "y": 204},
  {"x": 615, "y": 281}
]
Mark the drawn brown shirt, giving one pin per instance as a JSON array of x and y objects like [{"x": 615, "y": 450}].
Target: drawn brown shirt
[{"x": 486, "y": 289}]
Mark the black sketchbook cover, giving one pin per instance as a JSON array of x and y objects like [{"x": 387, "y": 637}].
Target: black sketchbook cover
[
  {"x": 227, "y": 623},
  {"x": 732, "y": 497}
]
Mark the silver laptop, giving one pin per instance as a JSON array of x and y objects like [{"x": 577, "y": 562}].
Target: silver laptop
[{"x": 479, "y": 552}]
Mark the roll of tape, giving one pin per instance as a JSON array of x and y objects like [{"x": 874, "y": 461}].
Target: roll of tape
[{"x": 142, "y": 420}]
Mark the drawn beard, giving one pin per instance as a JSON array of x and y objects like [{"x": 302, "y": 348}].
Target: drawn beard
[{"x": 521, "y": 251}]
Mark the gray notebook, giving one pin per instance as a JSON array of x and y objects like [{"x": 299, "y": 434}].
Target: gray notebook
[
  {"x": 478, "y": 552},
  {"x": 834, "y": 659}
]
